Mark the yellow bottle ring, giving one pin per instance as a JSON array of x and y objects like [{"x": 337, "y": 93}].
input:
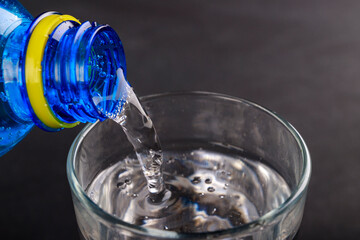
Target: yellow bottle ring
[{"x": 33, "y": 70}]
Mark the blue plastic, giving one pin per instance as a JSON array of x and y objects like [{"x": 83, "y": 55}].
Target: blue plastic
[{"x": 79, "y": 64}]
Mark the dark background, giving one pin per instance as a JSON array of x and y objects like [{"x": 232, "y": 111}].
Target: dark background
[{"x": 298, "y": 58}]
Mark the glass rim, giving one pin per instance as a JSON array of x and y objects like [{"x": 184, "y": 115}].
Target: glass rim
[{"x": 296, "y": 194}]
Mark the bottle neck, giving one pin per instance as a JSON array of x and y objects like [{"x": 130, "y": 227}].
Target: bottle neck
[{"x": 72, "y": 74}]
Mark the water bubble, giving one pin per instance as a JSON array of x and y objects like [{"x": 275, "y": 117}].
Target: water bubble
[
  {"x": 211, "y": 189},
  {"x": 208, "y": 181},
  {"x": 146, "y": 217},
  {"x": 201, "y": 194},
  {"x": 222, "y": 196},
  {"x": 102, "y": 74},
  {"x": 166, "y": 227},
  {"x": 92, "y": 195},
  {"x": 196, "y": 180},
  {"x": 3, "y": 97},
  {"x": 213, "y": 211},
  {"x": 121, "y": 185},
  {"x": 170, "y": 161},
  {"x": 128, "y": 181},
  {"x": 134, "y": 195}
]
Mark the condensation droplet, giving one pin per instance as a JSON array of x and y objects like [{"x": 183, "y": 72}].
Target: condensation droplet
[
  {"x": 211, "y": 189},
  {"x": 222, "y": 196},
  {"x": 166, "y": 227}
]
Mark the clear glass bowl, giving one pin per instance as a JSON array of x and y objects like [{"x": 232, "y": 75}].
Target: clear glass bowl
[{"x": 198, "y": 116}]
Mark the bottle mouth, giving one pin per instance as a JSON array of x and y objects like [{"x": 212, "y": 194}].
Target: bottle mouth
[
  {"x": 72, "y": 75},
  {"x": 105, "y": 71}
]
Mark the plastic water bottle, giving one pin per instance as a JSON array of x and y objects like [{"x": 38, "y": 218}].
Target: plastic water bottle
[{"x": 55, "y": 72}]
